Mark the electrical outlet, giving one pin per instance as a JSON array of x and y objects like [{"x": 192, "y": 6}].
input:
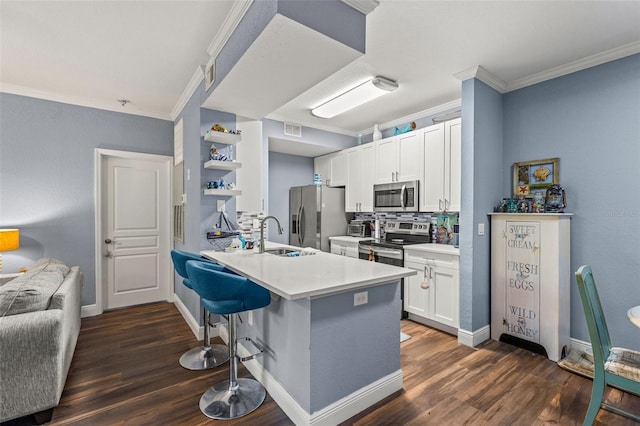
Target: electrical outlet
[
  {"x": 360, "y": 298},
  {"x": 256, "y": 224},
  {"x": 250, "y": 318},
  {"x": 188, "y": 174},
  {"x": 481, "y": 229},
  {"x": 221, "y": 205}
]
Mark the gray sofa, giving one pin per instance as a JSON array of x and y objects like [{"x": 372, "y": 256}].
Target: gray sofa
[{"x": 39, "y": 328}]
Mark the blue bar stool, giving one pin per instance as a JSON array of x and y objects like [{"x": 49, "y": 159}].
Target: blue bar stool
[
  {"x": 227, "y": 294},
  {"x": 206, "y": 356}
]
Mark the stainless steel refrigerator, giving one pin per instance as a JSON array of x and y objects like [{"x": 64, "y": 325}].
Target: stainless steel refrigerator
[{"x": 316, "y": 212}]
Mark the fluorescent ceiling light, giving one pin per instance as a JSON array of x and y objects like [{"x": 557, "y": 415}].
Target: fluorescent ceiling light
[{"x": 354, "y": 97}]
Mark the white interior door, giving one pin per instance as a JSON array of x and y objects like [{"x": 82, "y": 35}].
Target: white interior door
[{"x": 136, "y": 239}]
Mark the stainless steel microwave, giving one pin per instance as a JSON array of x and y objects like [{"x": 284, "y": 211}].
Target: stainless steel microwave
[{"x": 396, "y": 197}]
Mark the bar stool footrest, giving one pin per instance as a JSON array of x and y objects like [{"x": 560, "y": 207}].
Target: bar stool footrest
[{"x": 259, "y": 349}]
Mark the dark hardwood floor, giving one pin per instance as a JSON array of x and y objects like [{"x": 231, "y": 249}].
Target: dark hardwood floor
[{"x": 125, "y": 371}]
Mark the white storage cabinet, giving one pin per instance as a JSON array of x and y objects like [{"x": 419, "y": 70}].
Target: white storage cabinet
[
  {"x": 442, "y": 171},
  {"x": 360, "y": 174},
  {"x": 399, "y": 158},
  {"x": 432, "y": 296},
  {"x": 531, "y": 278},
  {"x": 345, "y": 246}
]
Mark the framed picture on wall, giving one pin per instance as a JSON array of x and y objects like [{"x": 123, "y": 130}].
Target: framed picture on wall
[{"x": 531, "y": 177}]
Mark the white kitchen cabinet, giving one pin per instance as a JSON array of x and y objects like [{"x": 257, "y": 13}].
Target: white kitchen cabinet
[
  {"x": 432, "y": 296},
  {"x": 531, "y": 279},
  {"x": 360, "y": 175},
  {"x": 322, "y": 165},
  {"x": 386, "y": 160},
  {"x": 442, "y": 171},
  {"x": 338, "y": 169},
  {"x": 332, "y": 168},
  {"x": 399, "y": 158},
  {"x": 345, "y": 246}
]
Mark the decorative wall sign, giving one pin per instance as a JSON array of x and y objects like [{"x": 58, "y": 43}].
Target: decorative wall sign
[
  {"x": 522, "y": 272},
  {"x": 531, "y": 177}
]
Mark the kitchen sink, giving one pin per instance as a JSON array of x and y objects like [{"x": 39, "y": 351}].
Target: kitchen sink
[{"x": 280, "y": 251}]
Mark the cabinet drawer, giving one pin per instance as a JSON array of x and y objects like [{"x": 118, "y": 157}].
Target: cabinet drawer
[{"x": 431, "y": 258}]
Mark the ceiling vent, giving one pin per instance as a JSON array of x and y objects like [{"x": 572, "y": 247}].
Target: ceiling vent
[{"x": 291, "y": 129}]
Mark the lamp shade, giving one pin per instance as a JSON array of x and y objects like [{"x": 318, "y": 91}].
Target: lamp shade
[{"x": 9, "y": 239}]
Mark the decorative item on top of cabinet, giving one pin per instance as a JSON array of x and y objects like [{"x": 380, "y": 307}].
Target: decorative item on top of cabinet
[
  {"x": 530, "y": 281},
  {"x": 377, "y": 134},
  {"x": 531, "y": 177}
]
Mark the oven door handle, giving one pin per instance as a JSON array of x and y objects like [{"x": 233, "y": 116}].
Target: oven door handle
[
  {"x": 403, "y": 196},
  {"x": 394, "y": 254}
]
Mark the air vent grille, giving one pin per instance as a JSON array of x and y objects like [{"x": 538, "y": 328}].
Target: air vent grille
[{"x": 291, "y": 129}]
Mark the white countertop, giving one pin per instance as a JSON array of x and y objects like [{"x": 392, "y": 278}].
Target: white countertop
[
  {"x": 434, "y": 248},
  {"x": 315, "y": 275}
]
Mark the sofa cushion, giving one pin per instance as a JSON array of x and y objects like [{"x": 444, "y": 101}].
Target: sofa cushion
[{"x": 32, "y": 291}]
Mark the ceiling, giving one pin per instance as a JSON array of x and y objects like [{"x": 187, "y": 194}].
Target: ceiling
[{"x": 94, "y": 52}]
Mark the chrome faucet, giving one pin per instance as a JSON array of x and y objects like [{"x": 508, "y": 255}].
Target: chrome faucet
[{"x": 264, "y": 219}]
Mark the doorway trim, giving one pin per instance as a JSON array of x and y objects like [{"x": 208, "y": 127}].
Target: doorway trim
[{"x": 100, "y": 159}]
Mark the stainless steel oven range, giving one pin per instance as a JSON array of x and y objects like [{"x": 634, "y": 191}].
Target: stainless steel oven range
[{"x": 390, "y": 250}]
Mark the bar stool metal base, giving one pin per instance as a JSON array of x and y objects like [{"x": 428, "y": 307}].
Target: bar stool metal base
[
  {"x": 221, "y": 403},
  {"x": 201, "y": 358}
]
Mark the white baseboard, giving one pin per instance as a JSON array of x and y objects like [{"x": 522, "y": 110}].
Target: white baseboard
[
  {"x": 474, "y": 338},
  {"x": 358, "y": 401},
  {"x": 580, "y": 345},
  {"x": 333, "y": 414},
  {"x": 193, "y": 323},
  {"x": 90, "y": 311}
]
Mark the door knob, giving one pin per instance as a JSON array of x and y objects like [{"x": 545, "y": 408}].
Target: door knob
[{"x": 108, "y": 241}]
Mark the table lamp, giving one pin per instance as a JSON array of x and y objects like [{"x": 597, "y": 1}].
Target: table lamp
[{"x": 9, "y": 240}]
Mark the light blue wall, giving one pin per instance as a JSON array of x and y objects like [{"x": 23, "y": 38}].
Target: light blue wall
[
  {"x": 47, "y": 175},
  {"x": 482, "y": 162},
  {"x": 591, "y": 121},
  {"x": 200, "y": 211},
  {"x": 285, "y": 171}
]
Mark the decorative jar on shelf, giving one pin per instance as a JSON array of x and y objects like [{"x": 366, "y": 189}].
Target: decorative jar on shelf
[
  {"x": 377, "y": 134},
  {"x": 538, "y": 203},
  {"x": 555, "y": 199}
]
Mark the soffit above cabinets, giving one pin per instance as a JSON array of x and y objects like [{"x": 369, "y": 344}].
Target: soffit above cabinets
[{"x": 286, "y": 59}]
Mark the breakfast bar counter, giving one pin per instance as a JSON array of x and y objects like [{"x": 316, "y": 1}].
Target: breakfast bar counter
[
  {"x": 313, "y": 275},
  {"x": 331, "y": 339}
]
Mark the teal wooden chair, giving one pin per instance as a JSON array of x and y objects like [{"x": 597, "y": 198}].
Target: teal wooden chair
[{"x": 617, "y": 367}]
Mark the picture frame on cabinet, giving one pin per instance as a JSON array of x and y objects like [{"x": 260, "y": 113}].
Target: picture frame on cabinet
[{"x": 531, "y": 177}]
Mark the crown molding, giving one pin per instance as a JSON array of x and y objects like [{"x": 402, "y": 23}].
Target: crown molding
[
  {"x": 579, "y": 65},
  {"x": 192, "y": 86},
  {"x": 229, "y": 25},
  {"x": 416, "y": 115},
  {"x": 483, "y": 75},
  {"x": 82, "y": 101},
  {"x": 363, "y": 6}
]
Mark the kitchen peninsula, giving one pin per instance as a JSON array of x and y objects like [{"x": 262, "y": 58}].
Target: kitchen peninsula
[{"x": 330, "y": 335}]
